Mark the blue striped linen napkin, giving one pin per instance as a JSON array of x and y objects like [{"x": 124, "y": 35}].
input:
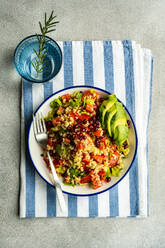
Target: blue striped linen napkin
[{"x": 124, "y": 68}]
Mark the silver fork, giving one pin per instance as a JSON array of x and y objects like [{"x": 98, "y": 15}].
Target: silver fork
[{"x": 41, "y": 137}]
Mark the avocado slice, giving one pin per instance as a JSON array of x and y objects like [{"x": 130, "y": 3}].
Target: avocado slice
[
  {"x": 123, "y": 132},
  {"x": 108, "y": 117},
  {"x": 105, "y": 106},
  {"x": 113, "y": 118},
  {"x": 115, "y": 171},
  {"x": 108, "y": 173},
  {"x": 119, "y": 119}
]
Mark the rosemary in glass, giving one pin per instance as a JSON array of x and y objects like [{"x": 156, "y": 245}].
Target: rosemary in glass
[{"x": 40, "y": 63}]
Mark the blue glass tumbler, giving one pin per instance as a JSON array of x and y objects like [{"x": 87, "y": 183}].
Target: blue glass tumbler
[{"x": 24, "y": 56}]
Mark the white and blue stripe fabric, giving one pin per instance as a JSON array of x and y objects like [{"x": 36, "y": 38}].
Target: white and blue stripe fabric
[{"x": 122, "y": 67}]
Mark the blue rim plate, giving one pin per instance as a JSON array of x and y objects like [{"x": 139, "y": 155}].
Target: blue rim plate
[{"x": 38, "y": 163}]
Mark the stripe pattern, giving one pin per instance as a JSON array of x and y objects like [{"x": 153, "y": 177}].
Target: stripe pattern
[{"x": 124, "y": 68}]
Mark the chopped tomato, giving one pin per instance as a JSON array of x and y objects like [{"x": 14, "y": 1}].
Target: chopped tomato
[
  {"x": 97, "y": 133},
  {"x": 113, "y": 159},
  {"x": 67, "y": 140},
  {"x": 49, "y": 142},
  {"x": 86, "y": 93},
  {"x": 85, "y": 168},
  {"x": 101, "y": 147},
  {"x": 76, "y": 115},
  {"x": 102, "y": 174},
  {"x": 104, "y": 140},
  {"x": 85, "y": 179},
  {"x": 66, "y": 97},
  {"x": 67, "y": 180},
  {"x": 80, "y": 146},
  {"x": 103, "y": 143},
  {"x": 72, "y": 115},
  {"x": 89, "y": 93},
  {"x": 86, "y": 160},
  {"x": 89, "y": 108},
  {"x": 56, "y": 120},
  {"x": 60, "y": 108},
  {"x": 95, "y": 179},
  {"x": 84, "y": 117},
  {"x": 99, "y": 158}
]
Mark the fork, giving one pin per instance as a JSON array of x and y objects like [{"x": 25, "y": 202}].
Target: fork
[{"x": 41, "y": 137}]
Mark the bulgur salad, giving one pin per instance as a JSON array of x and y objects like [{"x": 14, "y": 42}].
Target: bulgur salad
[{"x": 87, "y": 138}]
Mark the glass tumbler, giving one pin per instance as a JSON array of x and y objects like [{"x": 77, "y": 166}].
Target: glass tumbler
[{"x": 24, "y": 56}]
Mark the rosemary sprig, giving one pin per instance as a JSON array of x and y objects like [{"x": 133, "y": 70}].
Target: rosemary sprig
[{"x": 41, "y": 54}]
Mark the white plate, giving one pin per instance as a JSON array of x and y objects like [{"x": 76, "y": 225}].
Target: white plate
[{"x": 36, "y": 151}]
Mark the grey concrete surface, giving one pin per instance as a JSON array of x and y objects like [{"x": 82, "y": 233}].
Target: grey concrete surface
[{"x": 140, "y": 20}]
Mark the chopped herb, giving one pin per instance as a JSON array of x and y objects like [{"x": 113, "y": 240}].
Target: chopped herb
[
  {"x": 76, "y": 100},
  {"x": 74, "y": 172},
  {"x": 55, "y": 129},
  {"x": 58, "y": 149},
  {"x": 56, "y": 103}
]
